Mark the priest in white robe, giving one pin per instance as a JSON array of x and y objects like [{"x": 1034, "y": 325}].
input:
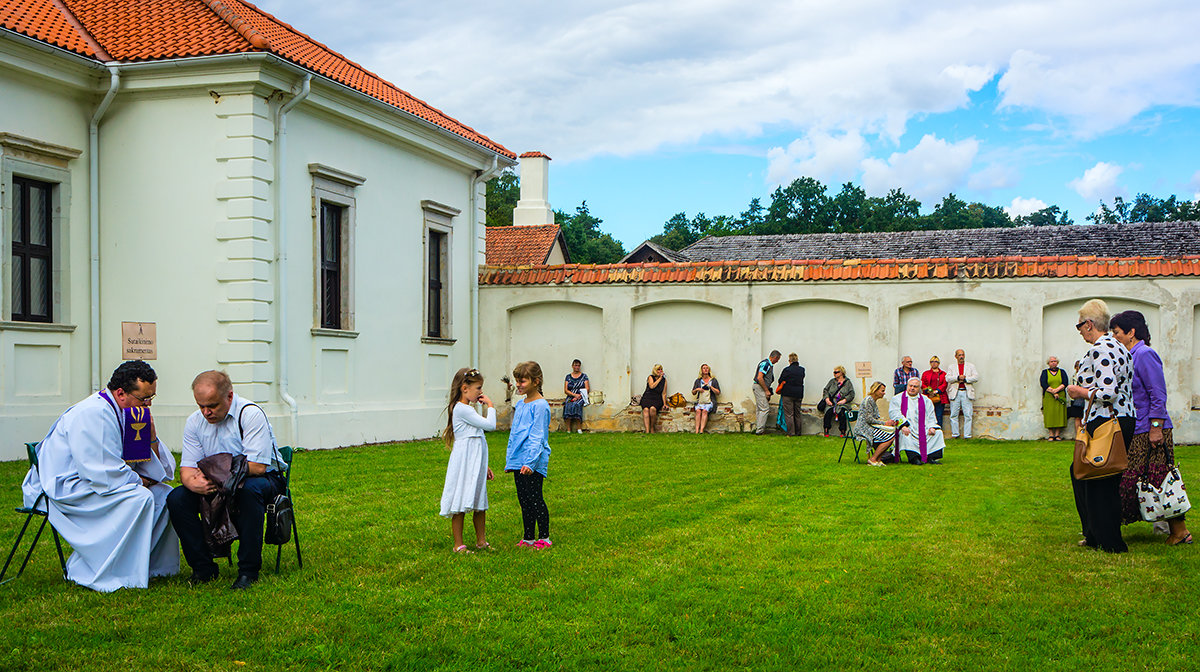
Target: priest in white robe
[
  {"x": 95, "y": 500},
  {"x": 156, "y": 473},
  {"x": 920, "y": 437}
]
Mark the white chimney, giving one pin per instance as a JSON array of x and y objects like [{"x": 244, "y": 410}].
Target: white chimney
[{"x": 533, "y": 209}]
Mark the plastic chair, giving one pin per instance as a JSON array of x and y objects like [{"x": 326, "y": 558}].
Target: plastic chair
[
  {"x": 287, "y": 453},
  {"x": 857, "y": 443},
  {"x": 30, "y": 512}
]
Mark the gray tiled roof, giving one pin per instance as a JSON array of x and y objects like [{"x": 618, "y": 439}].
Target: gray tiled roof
[
  {"x": 1167, "y": 239},
  {"x": 666, "y": 253}
]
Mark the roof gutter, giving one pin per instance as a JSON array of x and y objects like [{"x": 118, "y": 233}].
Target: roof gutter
[
  {"x": 39, "y": 45},
  {"x": 114, "y": 82},
  {"x": 281, "y": 295},
  {"x": 481, "y": 177}
]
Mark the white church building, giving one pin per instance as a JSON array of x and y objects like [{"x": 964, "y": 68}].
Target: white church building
[{"x": 261, "y": 203}]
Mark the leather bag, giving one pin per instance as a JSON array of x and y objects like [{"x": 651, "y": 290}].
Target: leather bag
[
  {"x": 1169, "y": 500},
  {"x": 278, "y": 529},
  {"x": 1100, "y": 453}
]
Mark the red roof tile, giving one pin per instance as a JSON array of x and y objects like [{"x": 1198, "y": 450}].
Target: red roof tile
[
  {"x": 133, "y": 31},
  {"x": 534, "y": 155},
  {"x": 41, "y": 20},
  {"x": 510, "y": 273},
  {"x": 522, "y": 245}
]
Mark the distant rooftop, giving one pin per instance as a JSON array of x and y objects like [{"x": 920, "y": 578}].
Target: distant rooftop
[{"x": 1166, "y": 239}]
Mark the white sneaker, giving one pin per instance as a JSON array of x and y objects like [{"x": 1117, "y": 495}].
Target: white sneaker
[{"x": 579, "y": 431}]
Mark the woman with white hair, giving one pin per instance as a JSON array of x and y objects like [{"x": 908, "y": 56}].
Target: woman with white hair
[
  {"x": 1105, "y": 380},
  {"x": 1054, "y": 383}
]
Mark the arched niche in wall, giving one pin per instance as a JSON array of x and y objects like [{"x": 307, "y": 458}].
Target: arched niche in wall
[
  {"x": 983, "y": 330},
  {"x": 553, "y": 334},
  {"x": 1195, "y": 363},
  {"x": 823, "y": 334},
  {"x": 1061, "y": 339},
  {"x": 681, "y": 335}
]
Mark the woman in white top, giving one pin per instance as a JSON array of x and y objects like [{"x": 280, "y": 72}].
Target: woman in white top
[
  {"x": 1105, "y": 380},
  {"x": 467, "y": 472}
]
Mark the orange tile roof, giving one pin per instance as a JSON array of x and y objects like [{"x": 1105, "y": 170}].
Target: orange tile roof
[
  {"x": 534, "y": 155},
  {"x": 520, "y": 245},
  {"x": 967, "y": 268},
  {"x": 133, "y": 31},
  {"x": 41, "y": 20}
]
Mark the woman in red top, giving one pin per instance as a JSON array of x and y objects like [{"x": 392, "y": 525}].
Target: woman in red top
[{"x": 933, "y": 385}]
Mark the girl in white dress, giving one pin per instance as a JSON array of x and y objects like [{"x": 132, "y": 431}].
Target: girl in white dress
[{"x": 468, "y": 472}]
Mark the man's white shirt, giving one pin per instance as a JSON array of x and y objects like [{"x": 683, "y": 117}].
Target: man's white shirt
[{"x": 254, "y": 438}]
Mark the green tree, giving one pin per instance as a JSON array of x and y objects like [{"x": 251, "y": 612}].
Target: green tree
[
  {"x": 1048, "y": 216},
  {"x": 585, "y": 241},
  {"x": 801, "y": 207},
  {"x": 849, "y": 209},
  {"x": 503, "y": 192}
]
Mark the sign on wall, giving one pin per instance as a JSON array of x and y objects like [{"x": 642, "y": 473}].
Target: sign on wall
[
  {"x": 139, "y": 340},
  {"x": 862, "y": 369}
]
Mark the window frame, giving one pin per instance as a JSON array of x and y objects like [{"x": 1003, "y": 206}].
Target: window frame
[
  {"x": 27, "y": 251},
  {"x": 438, "y": 230},
  {"x": 333, "y": 188},
  {"x": 28, "y": 159}
]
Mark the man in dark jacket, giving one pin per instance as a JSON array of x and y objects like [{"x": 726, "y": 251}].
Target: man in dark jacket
[{"x": 791, "y": 393}]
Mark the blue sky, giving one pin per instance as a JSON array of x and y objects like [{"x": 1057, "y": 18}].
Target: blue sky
[{"x": 663, "y": 106}]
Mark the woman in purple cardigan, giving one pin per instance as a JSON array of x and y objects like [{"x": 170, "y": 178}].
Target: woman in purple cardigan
[{"x": 1152, "y": 452}]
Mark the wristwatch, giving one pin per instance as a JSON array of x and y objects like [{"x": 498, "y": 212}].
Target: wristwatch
[{"x": 1156, "y": 423}]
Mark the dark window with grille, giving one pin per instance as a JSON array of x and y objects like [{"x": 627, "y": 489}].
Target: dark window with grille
[
  {"x": 331, "y": 265},
  {"x": 437, "y": 284},
  {"x": 32, "y": 284}
]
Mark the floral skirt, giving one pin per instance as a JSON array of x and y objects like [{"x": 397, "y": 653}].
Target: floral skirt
[{"x": 1146, "y": 463}]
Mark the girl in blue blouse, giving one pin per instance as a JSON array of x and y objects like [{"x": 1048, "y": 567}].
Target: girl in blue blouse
[{"x": 529, "y": 453}]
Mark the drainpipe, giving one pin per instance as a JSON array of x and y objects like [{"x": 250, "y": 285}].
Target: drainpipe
[
  {"x": 281, "y": 258},
  {"x": 114, "y": 83},
  {"x": 481, "y": 178}
]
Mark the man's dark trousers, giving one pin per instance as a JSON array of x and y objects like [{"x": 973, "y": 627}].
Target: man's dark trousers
[{"x": 250, "y": 508}]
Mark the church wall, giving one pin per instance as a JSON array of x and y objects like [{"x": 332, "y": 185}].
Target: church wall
[
  {"x": 189, "y": 241},
  {"x": 1007, "y": 328}
]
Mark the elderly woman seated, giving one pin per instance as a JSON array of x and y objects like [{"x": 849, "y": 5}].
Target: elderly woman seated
[
  {"x": 871, "y": 427},
  {"x": 919, "y": 435}
]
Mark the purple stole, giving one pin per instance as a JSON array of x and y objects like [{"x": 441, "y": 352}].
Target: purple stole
[
  {"x": 135, "y": 431},
  {"x": 920, "y": 419}
]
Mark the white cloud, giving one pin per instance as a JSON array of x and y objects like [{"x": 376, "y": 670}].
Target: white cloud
[
  {"x": 1194, "y": 185},
  {"x": 833, "y": 159},
  {"x": 928, "y": 171},
  {"x": 1098, "y": 182},
  {"x": 1024, "y": 206},
  {"x": 629, "y": 77}
]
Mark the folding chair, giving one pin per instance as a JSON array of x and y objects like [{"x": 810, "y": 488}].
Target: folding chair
[
  {"x": 287, "y": 453},
  {"x": 859, "y": 444},
  {"x": 30, "y": 512}
]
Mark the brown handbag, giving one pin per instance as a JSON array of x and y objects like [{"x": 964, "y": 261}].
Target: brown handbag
[{"x": 1100, "y": 453}]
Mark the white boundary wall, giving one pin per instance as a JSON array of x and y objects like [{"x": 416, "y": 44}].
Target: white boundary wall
[{"x": 1008, "y": 327}]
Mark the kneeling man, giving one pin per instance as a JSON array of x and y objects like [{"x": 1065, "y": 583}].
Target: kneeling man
[
  {"x": 920, "y": 437},
  {"x": 104, "y": 500},
  {"x": 225, "y": 423}
]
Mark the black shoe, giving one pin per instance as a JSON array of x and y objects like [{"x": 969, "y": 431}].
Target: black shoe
[
  {"x": 243, "y": 581},
  {"x": 935, "y": 462},
  {"x": 198, "y": 578}
]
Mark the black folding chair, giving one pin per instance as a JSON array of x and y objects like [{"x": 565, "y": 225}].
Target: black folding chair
[
  {"x": 857, "y": 443},
  {"x": 30, "y": 512},
  {"x": 287, "y": 453}
]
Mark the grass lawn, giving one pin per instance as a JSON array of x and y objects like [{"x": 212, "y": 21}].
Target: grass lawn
[{"x": 671, "y": 552}]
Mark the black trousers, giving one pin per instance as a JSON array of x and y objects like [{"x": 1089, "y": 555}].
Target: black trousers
[
  {"x": 534, "y": 514},
  {"x": 1098, "y": 501},
  {"x": 250, "y": 510},
  {"x": 839, "y": 411}
]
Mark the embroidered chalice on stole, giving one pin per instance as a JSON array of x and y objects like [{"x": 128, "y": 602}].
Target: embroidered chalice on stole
[{"x": 136, "y": 446}]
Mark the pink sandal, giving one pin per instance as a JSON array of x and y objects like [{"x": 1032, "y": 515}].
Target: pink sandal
[{"x": 462, "y": 549}]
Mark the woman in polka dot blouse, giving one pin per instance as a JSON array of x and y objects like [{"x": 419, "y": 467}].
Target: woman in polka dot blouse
[{"x": 1105, "y": 380}]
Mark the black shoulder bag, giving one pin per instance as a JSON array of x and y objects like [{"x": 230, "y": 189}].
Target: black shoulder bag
[{"x": 280, "y": 518}]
